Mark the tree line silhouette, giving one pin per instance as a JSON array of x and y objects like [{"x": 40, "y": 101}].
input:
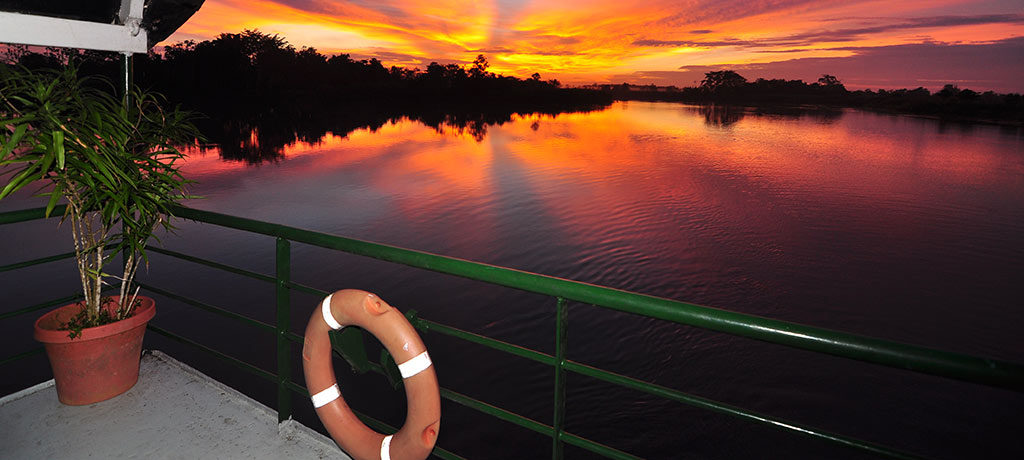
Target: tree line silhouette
[
  {"x": 259, "y": 93},
  {"x": 731, "y": 88},
  {"x": 252, "y": 69}
]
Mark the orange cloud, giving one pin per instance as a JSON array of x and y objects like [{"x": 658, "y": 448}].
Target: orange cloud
[{"x": 585, "y": 41}]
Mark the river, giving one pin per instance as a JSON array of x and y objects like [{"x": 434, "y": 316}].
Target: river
[{"x": 896, "y": 227}]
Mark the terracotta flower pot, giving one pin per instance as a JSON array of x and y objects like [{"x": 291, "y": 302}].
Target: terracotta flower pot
[{"x": 102, "y": 362}]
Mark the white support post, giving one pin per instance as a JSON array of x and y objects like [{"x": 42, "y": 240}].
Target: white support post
[
  {"x": 67, "y": 33},
  {"x": 130, "y": 15}
]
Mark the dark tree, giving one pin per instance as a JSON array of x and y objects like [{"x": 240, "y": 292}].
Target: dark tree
[
  {"x": 721, "y": 79},
  {"x": 479, "y": 69},
  {"x": 829, "y": 80},
  {"x": 950, "y": 90}
]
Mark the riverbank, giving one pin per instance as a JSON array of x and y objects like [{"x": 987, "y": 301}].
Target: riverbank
[{"x": 949, "y": 104}]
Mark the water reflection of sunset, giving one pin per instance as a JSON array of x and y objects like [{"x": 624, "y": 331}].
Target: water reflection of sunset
[
  {"x": 618, "y": 142},
  {"x": 601, "y": 173}
]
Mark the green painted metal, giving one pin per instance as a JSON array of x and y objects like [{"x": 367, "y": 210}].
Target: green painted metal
[
  {"x": 211, "y": 264},
  {"x": 985, "y": 371},
  {"x": 657, "y": 390},
  {"x": 561, "y": 341},
  {"x": 496, "y": 412},
  {"x": 293, "y": 337},
  {"x": 348, "y": 343},
  {"x": 308, "y": 290},
  {"x": 39, "y": 306},
  {"x": 61, "y": 301},
  {"x": 704, "y": 403},
  {"x": 532, "y": 425},
  {"x": 427, "y": 325},
  {"x": 42, "y": 260},
  {"x": 25, "y": 215},
  {"x": 445, "y": 454},
  {"x": 283, "y": 265},
  {"x": 210, "y": 308},
  {"x": 597, "y": 448},
  {"x": 216, "y": 354},
  {"x": 22, "y": 355},
  {"x": 962, "y": 367}
]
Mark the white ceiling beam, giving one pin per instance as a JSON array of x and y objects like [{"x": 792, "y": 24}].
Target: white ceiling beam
[{"x": 27, "y": 29}]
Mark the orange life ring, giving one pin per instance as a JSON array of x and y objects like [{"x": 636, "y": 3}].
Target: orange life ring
[{"x": 423, "y": 417}]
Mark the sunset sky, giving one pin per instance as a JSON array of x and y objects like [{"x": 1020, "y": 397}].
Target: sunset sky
[{"x": 977, "y": 44}]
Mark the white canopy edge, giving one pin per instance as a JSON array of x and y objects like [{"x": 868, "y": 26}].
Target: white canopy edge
[{"x": 27, "y": 29}]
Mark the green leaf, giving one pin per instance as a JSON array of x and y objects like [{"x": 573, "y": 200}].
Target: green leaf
[
  {"x": 113, "y": 164},
  {"x": 45, "y": 167},
  {"x": 19, "y": 132},
  {"x": 21, "y": 179},
  {"x": 58, "y": 148},
  {"x": 54, "y": 196}
]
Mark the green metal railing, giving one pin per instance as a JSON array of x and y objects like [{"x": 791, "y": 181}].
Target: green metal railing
[{"x": 961, "y": 367}]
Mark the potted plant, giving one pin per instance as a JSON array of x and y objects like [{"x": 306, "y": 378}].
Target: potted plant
[{"x": 114, "y": 163}]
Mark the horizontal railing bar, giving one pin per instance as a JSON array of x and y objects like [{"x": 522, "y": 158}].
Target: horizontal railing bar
[
  {"x": 651, "y": 388},
  {"x": 597, "y": 448},
  {"x": 210, "y": 263},
  {"x": 296, "y": 338},
  {"x": 39, "y": 306},
  {"x": 430, "y": 325},
  {"x": 531, "y": 424},
  {"x": 610, "y": 377},
  {"x": 697, "y": 401},
  {"x": 958, "y": 366},
  {"x": 210, "y": 308},
  {"x": 25, "y": 215},
  {"x": 22, "y": 355},
  {"x": 43, "y": 260},
  {"x": 497, "y": 412},
  {"x": 985, "y": 371},
  {"x": 223, "y": 357},
  {"x": 445, "y": 454},
  {"x": 307, "y": 289},
  {"x": 301, "y": 390},
  {"x": 236, "y": 270},
  {"x": 487, "y": 341}
]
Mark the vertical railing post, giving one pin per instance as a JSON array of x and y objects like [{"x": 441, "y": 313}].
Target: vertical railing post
[
  {"x": 284, "y": 364},
  {"x": 561, "y": 322},
  {"x": 127, "y": 76}
]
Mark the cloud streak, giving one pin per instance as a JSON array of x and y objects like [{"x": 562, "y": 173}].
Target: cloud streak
[
  {"x": 930, "y": 65},
  {"x": 583, "y": 41},
  {"x": 843, "y": 35}
]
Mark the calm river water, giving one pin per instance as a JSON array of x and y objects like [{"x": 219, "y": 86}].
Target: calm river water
[{"x": 896, "y": 227}]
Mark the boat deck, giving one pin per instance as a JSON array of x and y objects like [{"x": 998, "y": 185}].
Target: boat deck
[{"x": 173, "y": 412}]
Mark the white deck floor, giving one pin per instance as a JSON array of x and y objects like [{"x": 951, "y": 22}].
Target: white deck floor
[{"x": 174, "y": 412}]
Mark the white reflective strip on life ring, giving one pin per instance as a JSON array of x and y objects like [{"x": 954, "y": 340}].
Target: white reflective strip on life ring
[
  {"x": 325, "y": 308},
  {"x": 414, "y": 365},
  {"x": 385, "y": 448},
  {"x": 329, "y": 394}
]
